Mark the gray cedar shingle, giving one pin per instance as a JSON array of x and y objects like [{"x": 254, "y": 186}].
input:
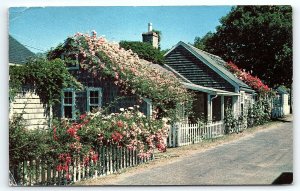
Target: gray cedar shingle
[{"x": 187, "y": 60}]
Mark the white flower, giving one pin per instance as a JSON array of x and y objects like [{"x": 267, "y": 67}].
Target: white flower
[
  {"x": 122, "y": 109},
  {"x": 139, "y": 114},
  {"x": 164, "y": 119},
  {"x": 130, "y": 108}
]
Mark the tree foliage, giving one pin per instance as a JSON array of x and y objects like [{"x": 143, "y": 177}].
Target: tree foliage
[
  {"x": 144, "y": 50},
  {"x": 201, "y": 42},
  {"x": 256, "y": 38},
  {"x": 44, "y": 77}
]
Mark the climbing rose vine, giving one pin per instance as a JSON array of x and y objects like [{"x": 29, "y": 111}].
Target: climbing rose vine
[
  {"x": 246, "y": 77},
  {"x": 108, "y": 60}
]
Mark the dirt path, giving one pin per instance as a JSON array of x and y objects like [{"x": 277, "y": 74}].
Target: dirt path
[{"x": 244, "y": 158}]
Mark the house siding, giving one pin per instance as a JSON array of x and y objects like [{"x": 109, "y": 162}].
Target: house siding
[
  {"x": 33, "y": 111},
  {"x": 194, "y": 70}
]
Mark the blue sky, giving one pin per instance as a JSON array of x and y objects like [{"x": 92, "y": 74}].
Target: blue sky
[{"x": 43, "y": 28}]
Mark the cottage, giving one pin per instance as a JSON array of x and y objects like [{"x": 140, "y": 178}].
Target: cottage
[
  {"x": 26, "y": 102},
  {"x": 215, "y": 87}
]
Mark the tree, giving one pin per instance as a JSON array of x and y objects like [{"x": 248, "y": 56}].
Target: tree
[
  {"x": 256, "y": 38},
  {"x": 201, "y": 42},
  {"x": 144, "y": 50}
]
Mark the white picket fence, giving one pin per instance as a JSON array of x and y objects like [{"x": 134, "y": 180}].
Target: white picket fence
[
  {"x": 182, "y": 134},
  {"x": 42, "y": 172}
]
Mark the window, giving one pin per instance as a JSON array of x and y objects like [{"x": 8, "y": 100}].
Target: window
[
  {"x": 149, "y": 107},
  {"x": 71, "y": 60},
  {"x": 68, "y": 103},
  {"x": 94, "y": 98}
]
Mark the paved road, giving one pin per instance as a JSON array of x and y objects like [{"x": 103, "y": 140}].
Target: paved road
[{"x": 257, "y": 159}]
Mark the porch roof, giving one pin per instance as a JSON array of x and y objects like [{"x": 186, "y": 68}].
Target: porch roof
[{"x": 212, "y": 91}]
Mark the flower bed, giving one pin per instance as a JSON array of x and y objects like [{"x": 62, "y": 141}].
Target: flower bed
[{"x": 71, "y": 141}]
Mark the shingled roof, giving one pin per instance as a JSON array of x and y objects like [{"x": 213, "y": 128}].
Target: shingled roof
[
  {"x": 18, "y": 53},
  {"x": 185, "y": 82},
  {"x": 214, "y": 62}
]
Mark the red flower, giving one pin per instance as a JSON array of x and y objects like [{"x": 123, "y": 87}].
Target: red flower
[
  {"x": 76, "y": 125},
  {"x": 83, "y": 116},
  {"x": 161, "y": 147},
  {"x": 72, "y": 132},
  {"x": 65, "y": 167},
  {"x": 246, "y": 77},
  {"x": 86, "y": 160},
  {"x": 68, "y": 160},
  {"x": 61, "y": 157},
  {"x": 54, "y": 134},
  {"x": 68, "y": 176},
  {"x": 95, "y": 157},
  {"x": 116, "y": 137},
  {"x": 59, "y": 168},
  {"x": 85, "y": 122},
  {"x": 120, "y": 124}
]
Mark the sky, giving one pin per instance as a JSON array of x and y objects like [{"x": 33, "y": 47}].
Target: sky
[{"x": 40, "y": 28}]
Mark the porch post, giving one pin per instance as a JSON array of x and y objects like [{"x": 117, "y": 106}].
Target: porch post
[
  {"x": 222, "y": 108},
  {"x": 209, "y": 109},
  {"x": 235, "y": 106}
]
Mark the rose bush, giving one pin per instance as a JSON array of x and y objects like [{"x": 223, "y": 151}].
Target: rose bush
[
  {"x": 70, "y": 141},
  {"x": 253, "y": 82},
  {"x": 130, "y": 129}
]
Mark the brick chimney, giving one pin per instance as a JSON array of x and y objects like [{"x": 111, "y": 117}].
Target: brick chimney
[{"x": 150, "y": 36}]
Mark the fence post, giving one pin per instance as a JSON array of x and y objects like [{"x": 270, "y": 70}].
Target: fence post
[{"x": 178, "y": 128}]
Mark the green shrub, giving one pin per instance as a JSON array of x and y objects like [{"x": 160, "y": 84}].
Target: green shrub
[
  {"x": 46, "y": 78},
  {"x": 231, "y": 123},
  {"x": 25, "y": 144},
  {"x": 144, "y": 50}
]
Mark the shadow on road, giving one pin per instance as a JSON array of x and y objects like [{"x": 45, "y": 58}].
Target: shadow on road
[
  {"x": 284, "y": 178},
  {"x": 283, "y": 120}
]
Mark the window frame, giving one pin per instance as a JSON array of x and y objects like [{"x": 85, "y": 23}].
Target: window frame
[
  {"x": 63, "y": 104},
  {"x": 76, "y": 67},
  {"x": 149, "y": 107},
  {"x": 88, "y": 102}
]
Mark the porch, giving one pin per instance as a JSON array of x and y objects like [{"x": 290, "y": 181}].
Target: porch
[{"x": 210, "y": 104}]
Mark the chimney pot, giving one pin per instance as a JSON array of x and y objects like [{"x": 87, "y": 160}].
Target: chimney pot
[{"x": 149, "y": 27}]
